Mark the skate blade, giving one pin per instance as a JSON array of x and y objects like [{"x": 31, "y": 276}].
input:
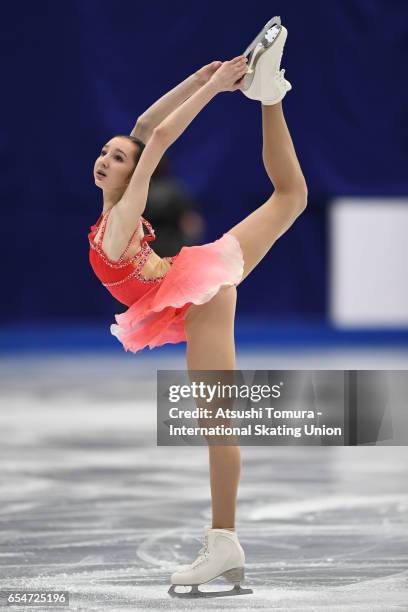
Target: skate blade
[
  {"x": 253, "y": 60},
  {"x": 258, "y": 37},
  {"x": 263, "y": 45},
  {"x": 195, "y": 592}
]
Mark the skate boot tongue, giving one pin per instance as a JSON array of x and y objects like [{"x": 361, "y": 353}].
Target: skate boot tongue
[{"x": 203, "y": 552}]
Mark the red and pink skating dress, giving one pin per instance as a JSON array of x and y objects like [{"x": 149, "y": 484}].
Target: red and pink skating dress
[{"x": 157, "y": 304}]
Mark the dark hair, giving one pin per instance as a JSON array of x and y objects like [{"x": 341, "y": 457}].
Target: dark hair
[{"x": 136, "y": 141}]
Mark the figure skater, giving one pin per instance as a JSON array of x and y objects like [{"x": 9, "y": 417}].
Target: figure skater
[{"x": 192, "y": 296}]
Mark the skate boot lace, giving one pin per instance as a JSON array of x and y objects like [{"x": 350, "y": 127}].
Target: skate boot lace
[
  {"x": 280, "y": 77},
  {"x": 202, "y": 553}
]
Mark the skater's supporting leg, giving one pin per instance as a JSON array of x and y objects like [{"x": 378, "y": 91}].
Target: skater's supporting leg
[
  {"x": 210, "y": 346},
  {"x": 225, "y": 467},
  {"x": 258, "y": 232}
]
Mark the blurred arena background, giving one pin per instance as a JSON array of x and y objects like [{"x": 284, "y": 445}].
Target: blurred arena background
[
  {"x": 77, "y": 74},
  {"x": 331, "y": 294}
]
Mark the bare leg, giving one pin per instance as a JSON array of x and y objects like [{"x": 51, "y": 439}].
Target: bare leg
[
  {"x": 210, "y": 346},
  {"x": 258, "y": 232},
  {"x": 210, "y": 327}
]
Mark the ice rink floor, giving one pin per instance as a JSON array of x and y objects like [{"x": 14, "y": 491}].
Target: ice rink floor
[{"x": 90, "y": 504}]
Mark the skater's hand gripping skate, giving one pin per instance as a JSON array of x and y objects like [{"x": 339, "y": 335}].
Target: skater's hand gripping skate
[
  {"x": 229, "y": 74},
  {"x": 204, "y": 74}
]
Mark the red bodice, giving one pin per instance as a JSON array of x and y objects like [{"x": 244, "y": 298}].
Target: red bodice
[{"x": 122, "y": 277}]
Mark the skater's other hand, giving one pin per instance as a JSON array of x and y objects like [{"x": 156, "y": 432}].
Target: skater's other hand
[
  {"x": 204, "y": 74},
  {"x": 228, "y": 75}
]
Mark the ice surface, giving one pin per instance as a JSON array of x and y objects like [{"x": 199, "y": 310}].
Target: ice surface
[{"x": 91, "y": 505}]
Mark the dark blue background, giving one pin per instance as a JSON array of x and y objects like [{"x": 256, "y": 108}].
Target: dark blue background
[{"x": 75, "y": 73}]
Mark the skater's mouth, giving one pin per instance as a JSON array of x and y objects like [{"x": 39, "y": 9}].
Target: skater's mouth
[{"x": 100, "y": 174}]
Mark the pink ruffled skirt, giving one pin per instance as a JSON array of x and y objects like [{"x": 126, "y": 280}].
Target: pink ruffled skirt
[{"x": 197, "y": 274}]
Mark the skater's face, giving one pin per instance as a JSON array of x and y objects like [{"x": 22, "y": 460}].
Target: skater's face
[{"x": 115, "y": 165}]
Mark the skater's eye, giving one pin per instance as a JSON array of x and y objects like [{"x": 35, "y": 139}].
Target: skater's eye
[{"x": 116, "y": 156}]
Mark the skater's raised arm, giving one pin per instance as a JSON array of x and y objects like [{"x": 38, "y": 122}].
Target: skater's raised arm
[
  {"x": 167, "y": 132},
  {"x": 133, "y": 201},
  {"x": 165, "y": 105},
  {"x": 224, "y": 79}
]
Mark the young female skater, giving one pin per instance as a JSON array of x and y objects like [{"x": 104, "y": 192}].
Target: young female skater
[{"x": 192, "y": 296}]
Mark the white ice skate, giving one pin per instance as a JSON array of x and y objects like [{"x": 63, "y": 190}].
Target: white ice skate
[
  {"x": 264, "y": 80},
  {"x": 221, "y": 555}
]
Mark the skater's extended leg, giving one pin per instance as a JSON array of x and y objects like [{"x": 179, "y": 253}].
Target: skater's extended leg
[
  {"x": 258, "y": 232},
  {"x": 210, "y": 346}
]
